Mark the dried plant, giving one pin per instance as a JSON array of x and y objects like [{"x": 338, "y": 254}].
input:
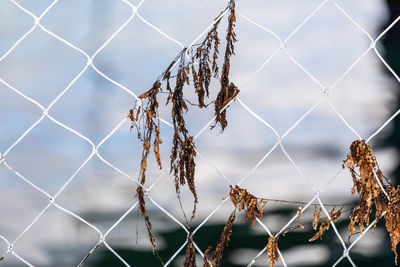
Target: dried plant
[
  {"x": 325, "y": 225},
  {"x": 190, "y": 257},
  {"x": 198, "y": 71},
  {"x": 202, "y": 77},
  {"x": 242, "y": 199},
  {"x": 149, "y": 133},
  {"x": 366, "y": 184},
  {"x": 392, "y": 218},
  {"x": 213, "y": 257},
  {"x": 272, "y": 250},
  {"x": 142, "y": 208},
  {"x": 228, "y": 90},
  {"x": 376, "y": 193},
  {"x": 183, "y": 150},
  {"x": 145, "y": 117}
]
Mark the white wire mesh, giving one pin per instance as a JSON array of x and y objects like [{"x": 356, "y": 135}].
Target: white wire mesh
[{"x": 135, "y": 13}]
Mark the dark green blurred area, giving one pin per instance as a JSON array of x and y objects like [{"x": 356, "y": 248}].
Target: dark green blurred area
[
  {"x": 391, "y": 44},
  {"x": 244, "y": 237}
]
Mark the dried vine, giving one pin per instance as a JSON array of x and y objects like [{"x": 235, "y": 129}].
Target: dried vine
[
  {"x": 198, "y": 72},
  {"x": 213, "y": 257},
  {"x": 228, "y": 89},
  {"x": 150, "y": 134},
  {"x": 190, "y": 258}
]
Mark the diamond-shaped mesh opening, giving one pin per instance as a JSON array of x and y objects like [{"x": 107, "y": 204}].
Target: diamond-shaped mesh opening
[
  {"x": 99, "y": 194},
  {"x": 123, "y": 150},
  {"x": 316, "y": 33},
  {"x": 316, "y": 153},
  {"x": 345, "y": 97},
  {"x": 109, "y": 105},
  {"x": 277, "y": 178},
  {"x": 254, "y": 47},
  {"x": 137, "y": 42},
  {"x": 279, "y": 90},
  {"x": 130, "y": 238},
  {"x": 54, "y": 154},
  {"x": 42, "y": 60},
  {"x": 230, "y": 157}
]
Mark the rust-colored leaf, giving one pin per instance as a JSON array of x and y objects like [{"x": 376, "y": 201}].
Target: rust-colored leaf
[
  {"x": 317, "y": 215},
  {"x": 213, "y": 257},
  {"x": 325, "y": 225},
  {"x": 392, "y": 218},
  {"x": 298, "y": 217},
  {"x": 272, "y": 250},
  {"x": 228, "y": 89},
  {"x": 242, "y": 199},
  {"x": 375, "y": 193}
]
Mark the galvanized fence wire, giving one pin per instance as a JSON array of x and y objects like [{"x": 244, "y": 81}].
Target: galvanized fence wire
[{"x": 135, "y": 9}]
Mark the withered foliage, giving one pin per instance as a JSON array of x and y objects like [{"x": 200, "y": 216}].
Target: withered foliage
[
  {"x": 212, "y": 257},
  {"x": 149, "y": 133},
  {"x": 202, "y": 77},
  {"x": 392, "y": 218},
  {"x": 242, "y": 199},
  {"x": 365, "y": 183},
  {"x": 142, "y": 208},
  {"x": 198, "y": 71},
  {"x": 190, "y": 258},
  {"x": 369, "y": 183},
  {"x": 272, "y": 250},
  {"x": 183, "y": 150},
  {"x": 325, "y": 225},
  {"x": 228, "y": 89}
]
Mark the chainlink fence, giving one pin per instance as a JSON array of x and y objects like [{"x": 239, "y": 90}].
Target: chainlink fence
[{"x": 134, "y": 9}]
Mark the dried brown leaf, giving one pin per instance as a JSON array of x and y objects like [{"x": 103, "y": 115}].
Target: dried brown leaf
[
  {"x": 228, "y": 90},
  {"x": 213, "y": 257},
  {"x": 392, "y": 218},
  {"x": 272, "y": 250},
  {"x": 142, "y": 208},
  {"x": 317, "y": 215},
  {"x": 298, "y": 217},
  {"x": 242, "y": 199},
  {"x": 325, "y": 225}
]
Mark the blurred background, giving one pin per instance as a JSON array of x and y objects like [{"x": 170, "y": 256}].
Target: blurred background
[{"x": 326, "y": 45}]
